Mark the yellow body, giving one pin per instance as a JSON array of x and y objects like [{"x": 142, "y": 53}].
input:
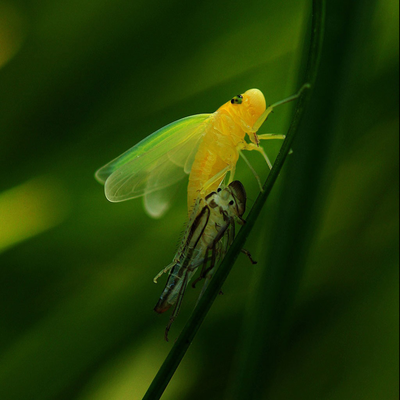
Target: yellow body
[
  {"x": 219, "y": 149},
  {"x": 206, "y": 146}
]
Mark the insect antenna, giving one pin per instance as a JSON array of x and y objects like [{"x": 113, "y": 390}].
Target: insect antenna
[{"x": 270, "y": 109}]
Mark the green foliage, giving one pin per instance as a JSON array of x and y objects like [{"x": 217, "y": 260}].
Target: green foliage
[{"x": 83, "y": 81}]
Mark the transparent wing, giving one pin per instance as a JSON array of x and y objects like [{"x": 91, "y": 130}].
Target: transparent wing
[
  {"x": 158, "y": 202},
  {"x": 156, "y": 162}
]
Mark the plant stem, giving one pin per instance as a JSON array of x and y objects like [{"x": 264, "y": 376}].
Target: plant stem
[
  {"x": 180, "y": 347},
  {"x": 267, "y": 327}
]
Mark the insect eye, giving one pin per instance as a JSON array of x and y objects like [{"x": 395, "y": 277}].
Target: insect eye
[
  {"x": 219, "y": 189},
  {"x": 237, "y": 99},
  {"x": 231, "y": 203}
]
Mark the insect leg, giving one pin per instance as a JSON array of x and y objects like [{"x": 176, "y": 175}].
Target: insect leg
[
  {"x": 219, "y": 176},
  {"x": 202, "y": 272},
  {"x": 251, "y": 169},
  {"x": 164, "y": 271},
  {"x": 177, "y": 305},
  {"x": 269, "y": 136},
  {"x": 208, "y": 273},
  {"x": 264, "y": 154},
  {"x": 266, "y": 136},
  {"x": 244, "y": 251},
  {"x": 252, "y": 146}
]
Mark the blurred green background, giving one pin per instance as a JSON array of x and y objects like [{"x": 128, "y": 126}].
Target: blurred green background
[{"x": 81, "y": 82}]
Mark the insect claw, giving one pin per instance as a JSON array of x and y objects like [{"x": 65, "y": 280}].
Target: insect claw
[
  {"x": 241, "y": 221},
  {"x": 168, "y": 328},
  {"x": 197, "y": 280},
  {"x": 247, "y": 253}
]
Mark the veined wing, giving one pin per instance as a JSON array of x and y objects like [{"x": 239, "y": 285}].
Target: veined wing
[
  {"x": 157, "y": 203},
  {"x": 189, "y": 257},
  {"x": 156, "y": 162}
]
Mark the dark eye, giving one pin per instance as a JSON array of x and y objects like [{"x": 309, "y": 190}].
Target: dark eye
[
  {"x": 237, "y": 99},
  {"x": 231, "y": 203},
  {"x": 219, "y": 189}
]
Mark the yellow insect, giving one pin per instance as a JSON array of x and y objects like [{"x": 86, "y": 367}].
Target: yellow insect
[
  {"x": 205, "y": 146},
  {"x": 211, "y": 229}
]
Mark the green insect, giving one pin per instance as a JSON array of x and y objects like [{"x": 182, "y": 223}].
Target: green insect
[{"x": 206, "y": 147}]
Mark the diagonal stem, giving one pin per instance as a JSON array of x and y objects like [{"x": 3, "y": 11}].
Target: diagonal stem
[{"x": 180, "y": 347}]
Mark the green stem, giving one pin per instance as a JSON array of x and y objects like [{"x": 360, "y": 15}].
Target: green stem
[
  {"x": 180, "y": 347},
  {"x": 265, "y": 344}
]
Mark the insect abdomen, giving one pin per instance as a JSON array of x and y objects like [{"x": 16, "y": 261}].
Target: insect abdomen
[{"x": 207, "y": 163}]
